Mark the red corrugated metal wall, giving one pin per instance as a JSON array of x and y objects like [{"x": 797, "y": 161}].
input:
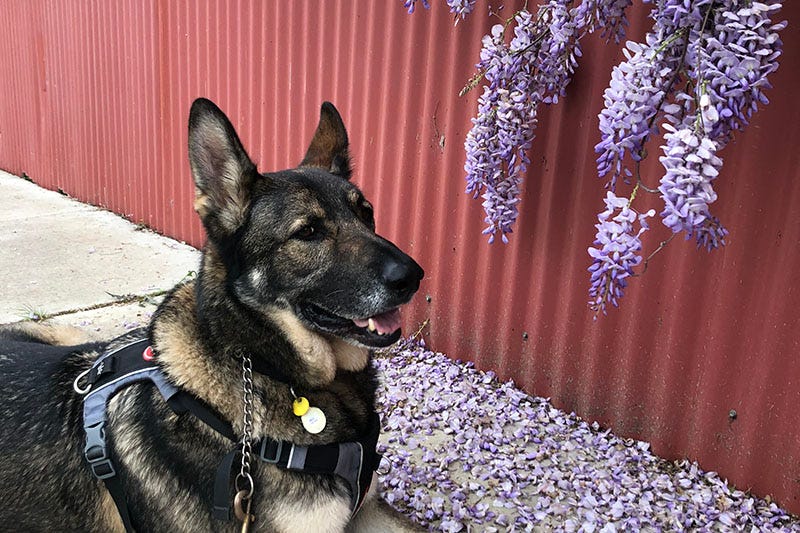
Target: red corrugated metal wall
[{"x": 94, "y": 98}]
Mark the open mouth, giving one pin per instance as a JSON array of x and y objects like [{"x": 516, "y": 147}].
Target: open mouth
[{"x": 377, "y": 331}]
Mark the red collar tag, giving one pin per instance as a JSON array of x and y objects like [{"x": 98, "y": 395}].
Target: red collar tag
[{"x": 148, "y": 354}]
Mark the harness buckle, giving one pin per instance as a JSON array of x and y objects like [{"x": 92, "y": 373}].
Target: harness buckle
[
  {"x": 76, "y": 386},
  {"x": 278, "y": 449},
  {"x": 96, "y": 452}
]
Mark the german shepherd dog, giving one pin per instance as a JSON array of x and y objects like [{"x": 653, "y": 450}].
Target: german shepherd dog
[{"x": 294, "y": 276}]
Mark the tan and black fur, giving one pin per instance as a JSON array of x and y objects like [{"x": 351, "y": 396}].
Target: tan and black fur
[{"x": 292, "y": 262}]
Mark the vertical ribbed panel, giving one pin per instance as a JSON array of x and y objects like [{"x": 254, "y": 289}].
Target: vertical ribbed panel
[{"x": 95, "y": 97}]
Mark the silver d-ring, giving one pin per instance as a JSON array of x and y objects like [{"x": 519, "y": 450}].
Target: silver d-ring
[
  {"x": 77, "y": 387},
  {"x": 247, "y": 477}
]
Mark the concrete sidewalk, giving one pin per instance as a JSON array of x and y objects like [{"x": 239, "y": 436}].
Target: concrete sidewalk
[{"x": 79, "y": 264}]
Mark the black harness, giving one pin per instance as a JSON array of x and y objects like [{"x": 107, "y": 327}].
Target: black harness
[{"x": 354, "y": 462}]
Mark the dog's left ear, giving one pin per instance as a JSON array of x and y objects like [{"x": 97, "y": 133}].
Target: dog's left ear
[
  {"x": 221, "y": 168},
  {"x": 329, "y": 146}
]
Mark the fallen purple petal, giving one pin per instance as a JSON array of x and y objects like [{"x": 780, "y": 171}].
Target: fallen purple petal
[{"x": 516, "y": 463}]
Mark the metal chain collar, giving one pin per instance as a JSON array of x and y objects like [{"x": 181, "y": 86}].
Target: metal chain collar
[{"x": 247, "y": 431}]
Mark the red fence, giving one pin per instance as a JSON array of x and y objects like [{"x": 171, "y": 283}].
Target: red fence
[{"x": 94, "y": 98}]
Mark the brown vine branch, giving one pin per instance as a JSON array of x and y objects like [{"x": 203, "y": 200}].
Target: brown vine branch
[
  {"x": 649, "y": 257},
  {"x": 639, "y": 181}
]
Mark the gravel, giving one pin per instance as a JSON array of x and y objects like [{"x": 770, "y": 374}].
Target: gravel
[{"x": 464, "y": 452}]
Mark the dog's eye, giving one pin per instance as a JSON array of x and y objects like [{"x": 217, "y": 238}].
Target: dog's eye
[{"x": 306, "y": 233}]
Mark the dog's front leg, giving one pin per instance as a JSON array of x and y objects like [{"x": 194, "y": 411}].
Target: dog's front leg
[{"x": 376, "y": 516}]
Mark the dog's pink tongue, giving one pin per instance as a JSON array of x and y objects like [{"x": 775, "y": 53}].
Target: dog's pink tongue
[{"x": 387, "y": 322}]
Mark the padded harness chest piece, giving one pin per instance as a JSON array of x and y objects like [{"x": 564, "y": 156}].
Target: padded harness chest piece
[{"x": 111, "y": 372}]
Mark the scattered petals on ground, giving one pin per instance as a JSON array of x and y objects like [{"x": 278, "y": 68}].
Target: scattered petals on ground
[{"x": 463, "y": 452}]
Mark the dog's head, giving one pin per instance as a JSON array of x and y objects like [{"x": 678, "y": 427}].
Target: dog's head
[{"x": 300, "y": 240}]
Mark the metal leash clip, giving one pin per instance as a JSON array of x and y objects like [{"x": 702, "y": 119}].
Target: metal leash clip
[{"x": 243, "y": 514}]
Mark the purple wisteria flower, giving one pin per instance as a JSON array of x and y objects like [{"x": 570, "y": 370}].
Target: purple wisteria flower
[
  {"x": 616, "y": 251},
  {"x": 557, "y": 57},
  {"x": 502, "y": 132},
  {"x": 703, "y": 69},
  {"x": 638, "y": 88},
  {"x": 691, "y": 166},
  {"x": 729, "y": 70},
  {"x": 734, "y": 63},
  {"x": 675, "y": 14},
  {"x": 483, "y": 165},
  {"x": 534, "y": 67},
  {"x": 412, "y": 4},
  {"x": 606, "y": 14},
  {"x": 461, "y": 8}
]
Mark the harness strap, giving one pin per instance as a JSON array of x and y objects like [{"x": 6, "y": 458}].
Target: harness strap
[
  {"x": 183, "y": 402},
  {"x": 344, "y": 459},
  {"x": 110, "y": 373},
  {"x": 354, "y": 462},
  {"x": 221, "y": 509},
  {"x": 99, "y": 459},
  {"x": 114, "y": 488}
]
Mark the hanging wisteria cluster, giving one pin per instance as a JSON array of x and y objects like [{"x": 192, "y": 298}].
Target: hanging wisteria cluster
[
  {"x": 699, "y": 75},
  {"x": 616, "y": 249},
  {"x": 701, "y": 72},
  {"x": 534, "y": 67}
]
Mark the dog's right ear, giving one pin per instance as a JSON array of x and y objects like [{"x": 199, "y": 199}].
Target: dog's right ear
[
  {"x": 221, "y": 168},
  {"x": 329, "y": 146}
]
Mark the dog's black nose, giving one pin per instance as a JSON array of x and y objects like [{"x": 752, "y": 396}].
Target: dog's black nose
[{"x": 402, "y": 276}]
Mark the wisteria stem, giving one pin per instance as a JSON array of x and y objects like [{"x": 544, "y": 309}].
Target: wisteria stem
[
  {"x": 640, "y": 183},
  {"x": 649, "y": 257}
]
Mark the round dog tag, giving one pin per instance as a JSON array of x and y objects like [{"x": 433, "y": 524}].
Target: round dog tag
[{"x": 314, "y": 420}]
